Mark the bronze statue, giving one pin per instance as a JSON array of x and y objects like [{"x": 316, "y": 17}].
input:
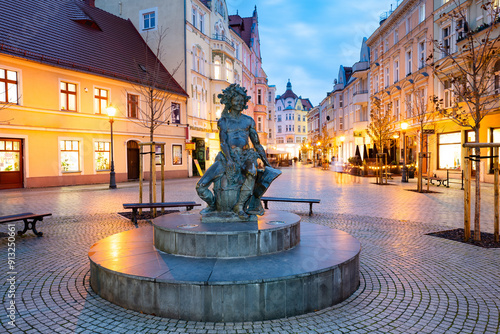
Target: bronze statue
[{"x": 238, "y": 183}]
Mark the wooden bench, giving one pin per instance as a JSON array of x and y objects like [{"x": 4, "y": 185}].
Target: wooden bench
[
  {"x": 454, "y": 174},
  {"x": 439, "y": 180},
  {"x": 29, "y": 218},
  {"x": 136, "y": 206},
  {"x": 297, "y": 200}
]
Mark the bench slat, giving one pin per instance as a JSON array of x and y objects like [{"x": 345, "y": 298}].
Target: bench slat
[
  {"x": 283, "y": 199},
  {"x": 158, "y": 205},
  {"x": 22, "y": 216}
]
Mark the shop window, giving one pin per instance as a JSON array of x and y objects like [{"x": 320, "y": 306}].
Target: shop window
[
  {"x": 8, "y": 86},
  {"x": 10, "y": 154},
  {"x": 449, "y": 150},
  {"x": 68, "y": 96},
  {"x": 70, "y": 155},
  {"x": 100, "y": 100},
  {"x": 102, "y": 155}
]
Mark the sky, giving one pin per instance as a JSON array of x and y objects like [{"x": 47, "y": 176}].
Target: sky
[{"x": 306, "y": 41}]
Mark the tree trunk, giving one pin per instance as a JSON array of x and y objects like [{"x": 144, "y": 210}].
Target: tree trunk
[
  {"x": 151, "y": 163},
  {"x": 477, "y": 204}
]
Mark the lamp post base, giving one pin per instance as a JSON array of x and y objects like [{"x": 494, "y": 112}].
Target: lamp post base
[
  {"x": 112, "y": 180},
  {"x": 404, "y": 174}
]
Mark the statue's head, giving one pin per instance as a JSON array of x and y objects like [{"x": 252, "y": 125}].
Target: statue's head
[{"x": 228, "y": 95}]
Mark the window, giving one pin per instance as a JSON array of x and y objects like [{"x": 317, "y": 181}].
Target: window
[
  {"x": 68, "y": 96},
  {"x": 446, "y": 45},
  {"x": 421, "y": 13},
  {"x": 396, "y": 36},
  {"x": 70, "y": 155},
  {"x": 100, "y": 100},
  {"x": 132, "y": 105},
  {"x": 396, "y": 110},
  {"x": 408, "y": 24},
  {"x": 421, "y": 52},
  {"x": 10, "y": 155},
  {"x": 340, "y": 101},
  {"x": 176, "y": 155},
  {"x": 8, "y": 86},
  {"x": 408, "y": 62},
  {"x": 259, "y": 96},
  {"x": 387, "y": 76},
  {"x": 341, "y": 123},
  {"x": 494, "y": 138},
  {"x": 396, "y": 71},
  {"x": 101, "y": 151},
  {"x": 279, "y": 128},
  {"x": 279, "y": 118},
  {"x": 279, "y": 140},
  {"x": 202, "y": 23},
  {"x": 149, "y": 20},
  {"x": 217, "y": 64},
  {"x": 176, "y": 113},
  {"x": 269, "y": 97},
  {"x": 193, "y": 14},
  {"x": 448, "y": 94},
  {"x": 270, "y": 134},
  {"x": 375, "y": 84},
  {"x": 496, "y": 72},
  {"x": 259, "y": 124},
  {"x": 289, "y": 140},
  {"x": 449, "y": 150}
]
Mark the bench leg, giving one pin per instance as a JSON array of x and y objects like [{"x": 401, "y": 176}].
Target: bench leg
[
  {"x": 265, "y": 205},
  {"x": 310, "y": 209},
  {"x": 27, "y": 227},
  {"x": 189, "y": 208},
  {"x": 134, "y": 216}
]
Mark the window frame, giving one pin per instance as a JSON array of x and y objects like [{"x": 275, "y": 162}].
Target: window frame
[
  {"x": 142, "y": 19},
  {"x": 100, "y": 99},
  {"x": 132, "y": 103},
  {"x": 79, "y": 151},
  {"x": 96, "y": 142},
  {"x": 67, "y": 93},
  {"x": 6, "y": 81}
]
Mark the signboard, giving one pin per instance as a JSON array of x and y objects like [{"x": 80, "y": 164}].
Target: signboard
[
  {"x": 190, "y": 146},
  {"x": 428, "y": 131},
  {"x": 198, "y": 166}
]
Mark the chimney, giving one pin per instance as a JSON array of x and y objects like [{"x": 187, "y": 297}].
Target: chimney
[{"x": 91, "y": 3}]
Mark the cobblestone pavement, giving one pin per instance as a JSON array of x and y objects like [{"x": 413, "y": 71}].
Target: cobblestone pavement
[{"x": 410, "y": 282}]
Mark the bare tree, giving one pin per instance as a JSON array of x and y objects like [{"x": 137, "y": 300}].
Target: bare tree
[
  {"x": 381, "y": 124},
  {"x": 154, "y": 90},
  {"x": 417, "y": 109},
  {"x": 468, "y": 73}
]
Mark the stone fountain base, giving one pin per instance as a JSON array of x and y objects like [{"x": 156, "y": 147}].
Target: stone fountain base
[{"x": 226, "y": 272}]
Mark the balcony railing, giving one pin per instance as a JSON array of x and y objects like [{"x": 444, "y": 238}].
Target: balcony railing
[
  {"x": 223, "y": 38},
  {"x": 360, "y": 92}
]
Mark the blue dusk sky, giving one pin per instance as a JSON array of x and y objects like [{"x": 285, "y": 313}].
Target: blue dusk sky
[{"x": 306, "y": 41}]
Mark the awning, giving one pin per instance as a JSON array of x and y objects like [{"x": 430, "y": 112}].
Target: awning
[{"x": 273, "y": 151}]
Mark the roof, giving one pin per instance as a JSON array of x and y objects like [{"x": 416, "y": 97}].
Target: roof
[
  {"x": 74, "y": 35},
  {"x": 289, "y": 93},
  {"x": 307, "y": 104},
  {"x": 242, "y": 26}
]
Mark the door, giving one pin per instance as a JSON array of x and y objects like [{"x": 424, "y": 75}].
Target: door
[
  {"x": 11, "y": 163},
  {"x": 133, "y": 160}
]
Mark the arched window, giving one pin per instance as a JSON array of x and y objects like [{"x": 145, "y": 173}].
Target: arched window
[{"x": 217, "y": 68}]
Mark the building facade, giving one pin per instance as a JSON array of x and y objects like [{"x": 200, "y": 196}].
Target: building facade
[
  {"x": 54, "y": 126},
  {"x": 206, "y": 49},
  {"x": 291, "y": 121}
]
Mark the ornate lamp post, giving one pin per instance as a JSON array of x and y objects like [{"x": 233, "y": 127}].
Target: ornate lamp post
[
  {"x": 404, "y": 171},
  {"x": 112, "y": 181}
]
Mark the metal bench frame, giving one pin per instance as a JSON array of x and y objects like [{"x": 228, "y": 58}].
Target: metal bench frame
[{"x": 29, "y": 219}]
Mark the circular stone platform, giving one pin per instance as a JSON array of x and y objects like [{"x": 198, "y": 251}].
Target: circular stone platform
[
  {"x": 322, "y": 270},
  {"x": 184, "y": 234}
]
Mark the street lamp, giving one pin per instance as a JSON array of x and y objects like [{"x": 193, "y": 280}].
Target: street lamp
[
  {"x": 112, "y": 181},
  {"x": 404, "y": 172}
]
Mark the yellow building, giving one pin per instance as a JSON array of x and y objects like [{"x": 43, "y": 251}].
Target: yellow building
[{"x": 57, "y": 77}]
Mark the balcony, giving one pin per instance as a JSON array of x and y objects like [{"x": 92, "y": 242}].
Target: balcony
[
  {"x": 360, "y": 97},
  {"x": 360, "y": 69},
  {"x": 223, "y": 38}
]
